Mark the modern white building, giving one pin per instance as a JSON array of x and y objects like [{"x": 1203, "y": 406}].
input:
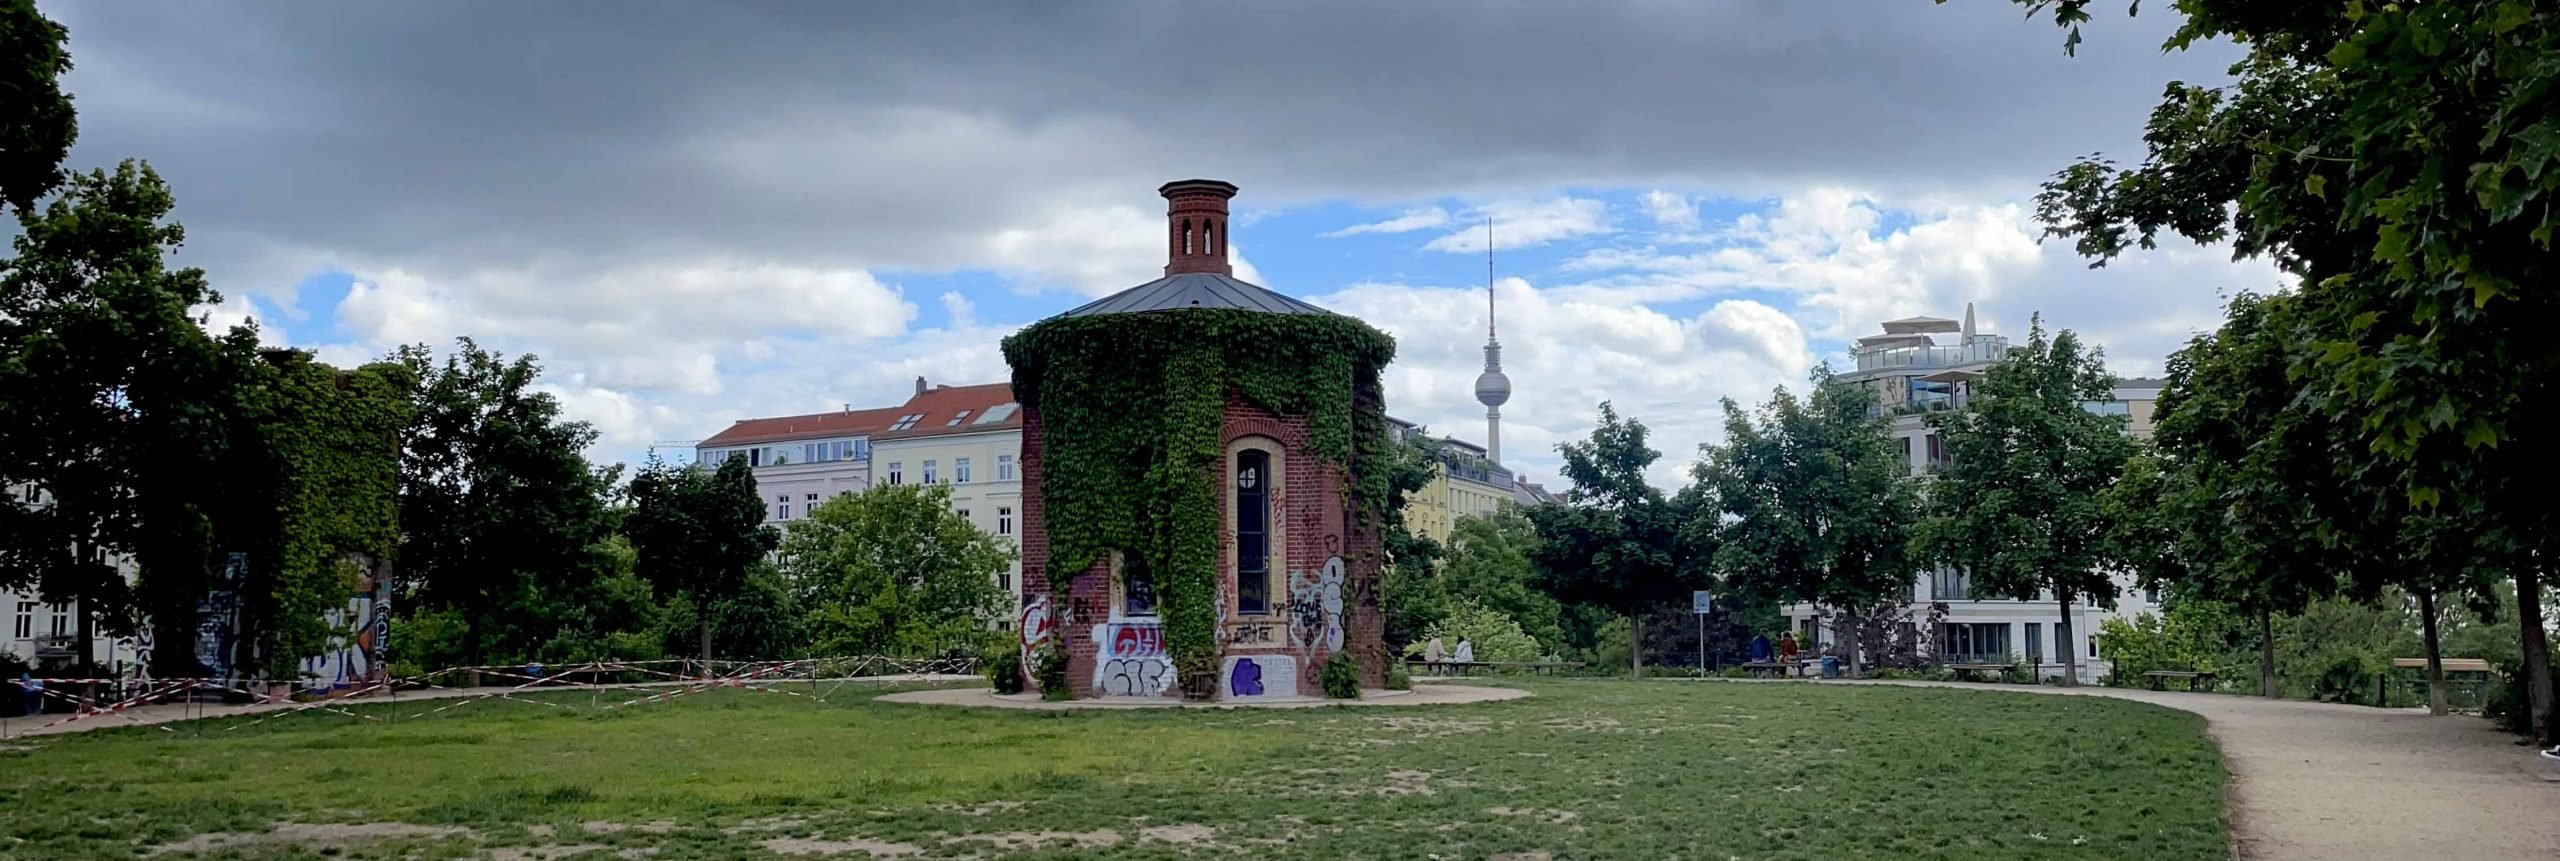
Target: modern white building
[
  {"x": 966, "y": 437},
  {"x": 1921, "y": 365}
]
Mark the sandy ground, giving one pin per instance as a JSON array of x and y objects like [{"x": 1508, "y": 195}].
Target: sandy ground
[
  {"x": 151, "y": 715},
  {"x": 1421, "y": 695},
  {"x": 2328, "y": 781}
]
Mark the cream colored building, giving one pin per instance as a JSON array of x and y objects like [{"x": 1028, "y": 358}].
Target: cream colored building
[
  {"x": 968, "y": 438},
  {"x": 1465, "y": 483}
]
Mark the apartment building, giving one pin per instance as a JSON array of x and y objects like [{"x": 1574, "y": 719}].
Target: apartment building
[
  {"x": 1921, "y": 365},
  {"x": 966, "y": 437},
  {"x": 1465, "y": 483},
  {"x": 46, "y": 634}
]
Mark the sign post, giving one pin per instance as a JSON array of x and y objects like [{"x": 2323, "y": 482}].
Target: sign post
[{"x": 1701, "y": 602}]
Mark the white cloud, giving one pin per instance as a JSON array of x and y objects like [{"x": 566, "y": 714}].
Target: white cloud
[
  {"x": 1527, "y": 223},
  {"x": 1411, "y": 220},
  {"x": 1670, "y": 211},
  {"x": 1564, "y": 357}
]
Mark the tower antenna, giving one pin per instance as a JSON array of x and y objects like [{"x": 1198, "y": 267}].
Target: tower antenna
[{"x": 1488, "y": 277}]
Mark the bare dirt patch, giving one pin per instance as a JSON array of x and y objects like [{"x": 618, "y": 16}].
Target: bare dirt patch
[
  {"x": 1180, "y": 835},
  {"x": 1551, "y": 817},
  {"x": 873, "y": 848},
  {"x": 1408, "y": 783},
  {"x": 655, "y": 826},
  {"x": 313, "y": 836},
  {"x": 544, "y": 853},
  {"x": 1016, "y": 840}
]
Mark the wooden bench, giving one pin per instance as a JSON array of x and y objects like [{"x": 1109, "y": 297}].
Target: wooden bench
[
  {"x": 1535, "y": 667},
  {"x": 1448, "y": 668},
  {"x": 1778, "y": 669},
  {"x": 2193, "y": 677},
  {"x": 1965, "y": 672}
]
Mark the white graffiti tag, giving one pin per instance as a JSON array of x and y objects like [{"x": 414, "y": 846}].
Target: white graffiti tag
[{"x": 1315, "y": 608}]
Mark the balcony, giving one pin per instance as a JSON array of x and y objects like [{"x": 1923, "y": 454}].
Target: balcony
[{"x": 1984, "y": 348}]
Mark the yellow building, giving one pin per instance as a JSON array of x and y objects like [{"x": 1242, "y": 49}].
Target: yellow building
[{"x": 1465, "y": 483}]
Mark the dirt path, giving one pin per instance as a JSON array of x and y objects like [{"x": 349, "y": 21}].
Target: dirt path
[{"x": 2326, "y": 781}]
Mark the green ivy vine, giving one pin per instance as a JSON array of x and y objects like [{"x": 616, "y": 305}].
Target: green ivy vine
[
  {"x": 1131, "y": 408},
  {"x": 326, "y": 452}
]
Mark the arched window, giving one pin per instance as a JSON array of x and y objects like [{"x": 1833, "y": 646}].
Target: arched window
[
  {"x": 1209, "y": 237},
  {"x": 1253, "y": 531}
]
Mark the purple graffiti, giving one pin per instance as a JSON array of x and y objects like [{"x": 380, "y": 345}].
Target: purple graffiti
[{"x": 1246, "y": 679}]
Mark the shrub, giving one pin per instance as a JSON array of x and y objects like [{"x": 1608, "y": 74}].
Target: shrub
[
  {"x": 1610, "y": 652},
  {"x": 1341, "y": 677},
  {"x": 1004, "y": 670},
  {"x": 1732, "y": 673},
  {"x": 1496, "y": 637},
  {"x": 1050, "y": 670},
  {"x": 1398, "y": 678},
  {"x": 2505, "y": 703}
]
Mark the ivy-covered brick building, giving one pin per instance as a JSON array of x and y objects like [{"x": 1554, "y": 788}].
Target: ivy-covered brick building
[{"x": 1197, "y": 519}]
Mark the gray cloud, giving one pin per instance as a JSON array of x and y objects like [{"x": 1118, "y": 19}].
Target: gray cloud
[{"x": 443, "y": 137}]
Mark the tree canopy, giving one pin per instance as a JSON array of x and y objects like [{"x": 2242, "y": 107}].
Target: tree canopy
[
  {"x": 1811, "y": 501},
  {"x": 698, "y": 532},
  {"x": 37, "y": 124},
  {"x": 2018, "y": 507},
  {"x": 1615, "y": 541},
  {"x": 893, "y": 568}
]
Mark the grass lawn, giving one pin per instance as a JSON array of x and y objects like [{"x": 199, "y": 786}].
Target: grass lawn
[{"x": 1584, "y": 769}]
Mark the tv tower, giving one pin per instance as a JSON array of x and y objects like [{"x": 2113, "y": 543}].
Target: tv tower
[{"x": 1492, "y": 388}]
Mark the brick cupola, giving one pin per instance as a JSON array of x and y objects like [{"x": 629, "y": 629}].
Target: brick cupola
[{"x": 1196, "y": 223}]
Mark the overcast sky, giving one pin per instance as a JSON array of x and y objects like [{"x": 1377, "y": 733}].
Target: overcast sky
[{"x": 695, "y": 213}]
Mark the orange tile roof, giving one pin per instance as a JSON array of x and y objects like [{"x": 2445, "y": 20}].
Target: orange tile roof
[
  {"x": 942, "y": 403},
  {"x": 782, "y": 428},
  {"x": 936, "y": 407}
]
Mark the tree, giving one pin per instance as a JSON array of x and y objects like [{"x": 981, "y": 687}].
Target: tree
[
  {"x": 2018, "y": 509},
  {"x": 37, "y": 124},
  {"x": 1614, "y": 542},
  {"x": 893, "y": 569},
  {"x": 2225, "y": 507},
  {"x": 698, "y": 532},
  {"x": 1410, "y": 582},
  {"x": 104, "y": 378},
  {"x": 2396, "y": 158},
  {"x": 1813, "y": 503},
  {"x": 1488, "y": 565},
  {"x": 497, "y": 504}
]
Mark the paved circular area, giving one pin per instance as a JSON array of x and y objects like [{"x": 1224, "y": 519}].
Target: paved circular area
[
  {"x": 2330, "y": 781},
  {"x": 1421, "y": 695}
]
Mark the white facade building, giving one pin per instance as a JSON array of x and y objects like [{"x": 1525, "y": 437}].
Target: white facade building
[
  {"x": 39, "y": 633},
  {"x": 1922, "y": 365},
  {"x": 966, "y": 437}
]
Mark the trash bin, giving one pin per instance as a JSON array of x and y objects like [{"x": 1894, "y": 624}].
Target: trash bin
[{"x": 1830, "y": 667}]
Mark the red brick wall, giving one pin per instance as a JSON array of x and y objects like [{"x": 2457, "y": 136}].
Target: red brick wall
[{"x": 1317, "y": 523}]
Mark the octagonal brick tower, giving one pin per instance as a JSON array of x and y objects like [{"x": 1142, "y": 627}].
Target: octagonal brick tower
[{"x": 1296, "y": 563}]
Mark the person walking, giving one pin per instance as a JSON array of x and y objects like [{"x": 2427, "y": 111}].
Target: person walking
[{"x": 34, "y": 689}]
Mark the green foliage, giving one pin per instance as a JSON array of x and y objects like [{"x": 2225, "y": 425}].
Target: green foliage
[
  {"x": 1049, "y": 670},
  {"x": 1495, "y": 635},
  {"x": 112, "y": 389},
  {"x": 697, "y": 532},
  {"x": 1399, "y": 678},
  {"x": 2191, "y": 635},
  {"x": 1615, "y": 542},
  {"x": 1341, "y": 677},
  {"x": 1004, "y": 671},
  {"x": 2396, "y": 158},
  {"x": 1489, "y": 565},
  {"x": 893, "y": 570},
  {"x": 1813, "y": 501},
  {"x": 1412, "y": 595},
  {"x": 37, "y": 124},
  {"x": 501, "y": 517},
  {"x": 1131, "y": 406},
  {"x": 2020, "y": 507},
  {"x": 1611, "y": 648}
]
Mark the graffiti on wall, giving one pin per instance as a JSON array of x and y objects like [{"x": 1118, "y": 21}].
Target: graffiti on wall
[
  {"x": 360, "y": 630},
  {"x": 1035, "y": 622},
  {"x": 1131, "y": 659},
  {"x": 218, "y": 616},
  {"x": 1250, "y": 634},
  {"x": 1246, "y": 677},
  {"x": 1315, "y": 608}
]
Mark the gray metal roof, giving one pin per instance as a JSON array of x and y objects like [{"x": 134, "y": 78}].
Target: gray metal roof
[{"x": 1194, "y": 290}]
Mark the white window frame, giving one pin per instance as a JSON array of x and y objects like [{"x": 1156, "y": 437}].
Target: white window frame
[
  {"x": 1004, "y": 467},
  {"x": 959, "y": 470}
]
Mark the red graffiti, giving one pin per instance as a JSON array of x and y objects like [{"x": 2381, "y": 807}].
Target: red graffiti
[{"x": 1137, "y": 641}]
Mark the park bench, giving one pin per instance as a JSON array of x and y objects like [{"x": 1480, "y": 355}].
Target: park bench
[
  {"x": 1449, "y": 668},
  {"x": 1535, "y": 667},
  {"x": 2193, "y": 677},
  {"x": 1779, "y": 669},
  {"x": 1966, "y": 672}
]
